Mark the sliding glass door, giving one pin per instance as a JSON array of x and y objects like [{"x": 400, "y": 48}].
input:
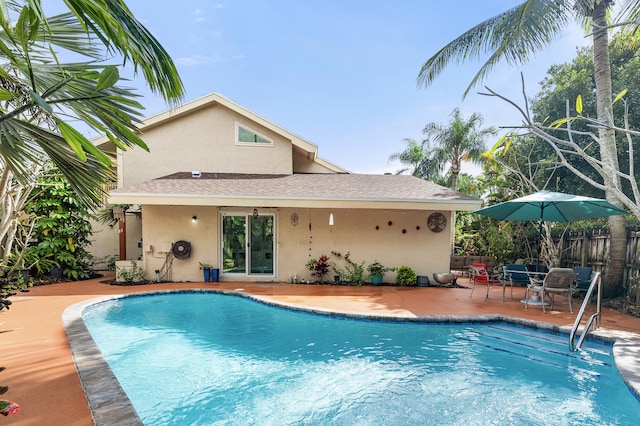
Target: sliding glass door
[{"x": 248, "y": 243}]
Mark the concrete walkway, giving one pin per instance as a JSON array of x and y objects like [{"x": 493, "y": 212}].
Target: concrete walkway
[{"x": 41, "y": 373}]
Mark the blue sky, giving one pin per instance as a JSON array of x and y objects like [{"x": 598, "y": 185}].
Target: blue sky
[{"x": 341, "y": 74}]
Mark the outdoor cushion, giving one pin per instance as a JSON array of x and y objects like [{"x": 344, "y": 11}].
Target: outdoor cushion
[
  {"x": 516, "y": 273},
  {"x": 490, "y": 261},
  {"x": 456, "y": 263}
]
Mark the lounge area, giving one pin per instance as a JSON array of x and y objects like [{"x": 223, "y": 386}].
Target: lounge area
[{"x": 461, "y": 265}]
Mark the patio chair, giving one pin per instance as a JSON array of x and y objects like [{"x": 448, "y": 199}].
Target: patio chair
[
  {"x": 583, "y": 277},
  {"x": 557, "y": 280},
  {"x": 514, "y": 273},
  {"x": 480, "y": 275}
]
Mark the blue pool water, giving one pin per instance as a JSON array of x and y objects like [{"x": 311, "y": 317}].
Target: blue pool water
[{"x": 215, "y": 359}]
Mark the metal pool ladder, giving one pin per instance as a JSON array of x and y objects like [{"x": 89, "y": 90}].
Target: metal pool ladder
[{"x": 593, "y": 320}]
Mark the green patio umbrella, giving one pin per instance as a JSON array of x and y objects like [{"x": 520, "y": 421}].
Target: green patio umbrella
[{"x": 550, "y": 206}]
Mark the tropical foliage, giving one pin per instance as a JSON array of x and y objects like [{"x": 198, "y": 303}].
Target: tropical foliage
[
  {"x": 573, "y": 80},
  {"x": 62, "y": 229},
  {"x": 515, "y": 36},
  {"x": 460, "y": 140},
  {"x": 418, "y": 159},
  {"x": 55, "y": 73},
  {"x": 42, "y": 94}
]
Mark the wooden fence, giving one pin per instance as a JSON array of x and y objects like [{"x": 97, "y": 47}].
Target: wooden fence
[{"x": 591, "y": 248}]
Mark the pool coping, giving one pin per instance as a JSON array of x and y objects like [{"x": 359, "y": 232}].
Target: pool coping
[{"x": 110, "y": 405}]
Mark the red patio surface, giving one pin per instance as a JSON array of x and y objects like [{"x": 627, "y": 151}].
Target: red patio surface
[{"x": 41, "y": 374}]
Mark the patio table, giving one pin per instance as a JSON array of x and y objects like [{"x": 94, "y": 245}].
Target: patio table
[{"x": 535, "y": 285}]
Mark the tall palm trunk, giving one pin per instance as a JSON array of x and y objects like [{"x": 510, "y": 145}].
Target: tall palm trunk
[{"x": 608, "y": 152}]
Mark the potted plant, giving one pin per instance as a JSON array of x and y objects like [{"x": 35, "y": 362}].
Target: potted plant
[
  {"x": 206, "y": 269},
  {"x": 406, "y": 276},
  {"x": 337, "y": 274},
  {"x": 376, "y": 272},
  {"x": 319, "y": 267}
]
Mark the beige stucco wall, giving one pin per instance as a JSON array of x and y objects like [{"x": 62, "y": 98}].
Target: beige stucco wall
[
  {"x": 303, "y": 164},
  {"x": 105, "y": 241},
  {"x": 104, "y": 244},
  {"x": 164, "y": 225},
  {"x": 204, "y": 140},
  {"x": 353, "y": 231}
]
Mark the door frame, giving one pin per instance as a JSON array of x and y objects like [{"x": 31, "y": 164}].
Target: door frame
[{"x": 248, "y": 214}]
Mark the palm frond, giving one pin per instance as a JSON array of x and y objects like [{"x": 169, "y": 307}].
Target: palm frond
[
  {"x": 513, "y": 36},
  {"x": 629, "y": 12},
  {"x": 87, "y": 177},
  {"x": 103, "y": 28},
  {"x": 114, "y": 24}
]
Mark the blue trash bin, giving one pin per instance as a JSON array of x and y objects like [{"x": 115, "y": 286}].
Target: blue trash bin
[
  {"x": 215, "y": 275},
  {"x": 207, "y": 275}
]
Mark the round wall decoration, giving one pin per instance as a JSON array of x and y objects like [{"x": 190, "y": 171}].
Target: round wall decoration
[
  {"x": 181, "y": 249},
  {"x": 437, "y": 222}
]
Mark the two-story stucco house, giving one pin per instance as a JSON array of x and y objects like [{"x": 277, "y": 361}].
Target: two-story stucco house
[{"x": 222, "y": 185}]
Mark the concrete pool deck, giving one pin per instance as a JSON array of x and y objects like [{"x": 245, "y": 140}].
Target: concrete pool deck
[{"x": 42, "y": 376}]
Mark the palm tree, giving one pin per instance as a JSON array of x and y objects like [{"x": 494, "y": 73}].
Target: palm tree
[
  {"x": 518, "y": 34},
  {"x": 40, "y": 96},
  {"x": 458, "y": 141},
  {"x": 418, "y": 156}
]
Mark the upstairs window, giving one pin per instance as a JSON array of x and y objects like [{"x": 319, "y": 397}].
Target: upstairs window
[{"x": 246, "y": 136}]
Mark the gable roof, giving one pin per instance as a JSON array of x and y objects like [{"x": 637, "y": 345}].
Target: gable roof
[
  {"x": 310, "y": 149},
  {"x": 296, "y": 190}
]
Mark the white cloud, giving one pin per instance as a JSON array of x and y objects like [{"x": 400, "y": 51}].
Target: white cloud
[{"x": 198, "y": 16}]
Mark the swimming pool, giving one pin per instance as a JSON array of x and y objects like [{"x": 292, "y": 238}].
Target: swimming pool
[{"x": 201, "y": 358}]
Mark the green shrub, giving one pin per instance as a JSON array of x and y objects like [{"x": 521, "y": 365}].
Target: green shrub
[
  {"x": 62, "y": 231},
  {"x": 134, "y": 274},
  {"x": 353, "y": 273},
  {"x": 406, "y": 276}
]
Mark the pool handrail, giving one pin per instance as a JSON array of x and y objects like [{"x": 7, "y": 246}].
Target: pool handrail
[{"x": 596, "y": 279}]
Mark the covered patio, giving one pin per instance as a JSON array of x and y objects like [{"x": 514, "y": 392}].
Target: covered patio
[{"x": 41, "y": 373}]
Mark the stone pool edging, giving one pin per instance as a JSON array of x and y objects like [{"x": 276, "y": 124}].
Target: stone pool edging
[{"x": 110, "y": 405}]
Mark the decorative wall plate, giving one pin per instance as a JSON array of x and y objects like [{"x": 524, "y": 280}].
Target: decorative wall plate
[{"x": 437, "y": 222}]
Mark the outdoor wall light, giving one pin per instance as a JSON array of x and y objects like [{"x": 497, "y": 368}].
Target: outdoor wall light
[
  {"x": 331, "y": 219},
  {"x": 194, "y": 219}
]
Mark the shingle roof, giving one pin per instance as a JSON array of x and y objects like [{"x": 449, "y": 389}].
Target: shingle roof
[{"x": 283, "y": 190}]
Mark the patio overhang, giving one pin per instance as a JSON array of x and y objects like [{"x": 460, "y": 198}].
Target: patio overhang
[
  {"x": 349, "y": 191},
  {"x": 211, "y": 200}
]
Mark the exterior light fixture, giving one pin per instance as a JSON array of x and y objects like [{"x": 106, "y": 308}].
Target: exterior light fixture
[
  {"x": 194, "y": 219},
  {"x": 331, "y": 219}
]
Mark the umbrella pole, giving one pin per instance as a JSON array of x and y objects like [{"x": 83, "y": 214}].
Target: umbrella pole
[
  {"x": 542, "y": 207},
  {"x": 535, "y": 298},
  {"x": 539, "y": 245}
]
